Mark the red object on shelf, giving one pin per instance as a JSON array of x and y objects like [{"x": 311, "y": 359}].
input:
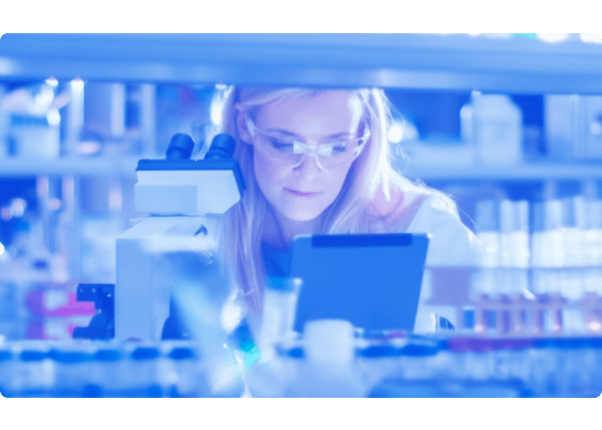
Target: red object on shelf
[
  {"x": 37, "y": 305},
  {"x": 36, "y": 331},
  {"x": 470, "y": 344},
  {"x": 59, "y": 328}
]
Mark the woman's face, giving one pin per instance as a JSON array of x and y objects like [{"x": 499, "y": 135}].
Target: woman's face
[{"x": 303, "y": 192}]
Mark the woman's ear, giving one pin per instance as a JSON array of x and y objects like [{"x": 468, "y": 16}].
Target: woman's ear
[{"x": 243, "y": 130}]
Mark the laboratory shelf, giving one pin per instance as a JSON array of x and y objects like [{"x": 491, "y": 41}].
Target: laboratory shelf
[
  {"x": 521, "y": 172},
  {"x": 67, "y": 166},
  {"x": 456, "y": 62},
  {"x": 126, "y": 166}
]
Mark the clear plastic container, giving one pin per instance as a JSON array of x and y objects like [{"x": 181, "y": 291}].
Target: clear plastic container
[
  {"x": 145, "y": 372},
  {"x": 187, "y": 379},
  {"x": 510, "y": 359},
  {"x": 329, "y": 368},
  {"x": 543, "y": 367},
  {"x": 6, "y": 369},
  {"x": 35, "y": 137},
  {"x": 280, "y": 302},
  {"x": 33, "y": 371},
  {"x": 379, "y": 362},
  {"x": 497, "y": 129},
  {"x": 110, "y": 373},
  {"x": 470, "y": 358},
  {"x": 72, "y": 369},
  {"x": 418, "y": 360}
]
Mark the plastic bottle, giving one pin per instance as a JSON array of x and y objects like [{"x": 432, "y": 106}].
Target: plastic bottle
[
  {"x": 188, "y": 379},
  {"x": 538, "y": 283},
  {"x": 33, "y": 370},
  {"x": 280, "y": 302},
  {"x": 573, "y": 225},
  {"x": 509, "y": 359},
  {"x": 593, "y": 245},
  {"x": 417, "y": 360},
  {"x": 9, "y": 306},
  {"x": 6, "y": 369},
  {"x": 379, "y": 361},
  {"x": 562, "y": 367},
  {"x": 329, "y": 368},
  {"x": 497, "y": 128},
  {"x": 34, "y": 136},
  {"x": 462, "y": 367},
  {"x": 470, "y": 358},
  {"x": 514, "y": 246},
  {"x": 111, "y": 373},
  {"x": 574, "y": 367},
  {"x": 73, "y": 369},
  {"x": 542, "y": 367},
  {"x": 144, "y": 368},
  {"x": 484, "y": 279},
  {"x": 596, "y": 380},
  {"x": 552, "y": 246},
  {"x": 275, "y": 376},
  {"x": 4, "y": 124},
  {"x": 507, "y": 227}
]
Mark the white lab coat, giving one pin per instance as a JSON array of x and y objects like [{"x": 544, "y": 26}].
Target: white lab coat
[{"x": 451, "y": 244}]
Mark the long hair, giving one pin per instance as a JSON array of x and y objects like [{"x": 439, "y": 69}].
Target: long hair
[{"x": 351, "y": 211}]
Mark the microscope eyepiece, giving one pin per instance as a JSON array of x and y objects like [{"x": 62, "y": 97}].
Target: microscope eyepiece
[
  {"x": 222, "y": 147},
  {"x": 180, "y": 147}
]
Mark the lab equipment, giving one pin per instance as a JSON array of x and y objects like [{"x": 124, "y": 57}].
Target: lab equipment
[
  {"x": 337, "y": 284},
  {"x": 181, "y": 195},
  {"x": 573, "y": 126},
  {"x": 72, "y": 370},
  {"x": 102, "y": 325},
  {"x": 333, "y": 359},
  {"x": 493, "y": 123},
  {"x": 279, "y": 306}
]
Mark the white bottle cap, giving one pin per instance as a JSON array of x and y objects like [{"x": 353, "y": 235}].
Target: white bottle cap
[{"x": 329, "y": 341}]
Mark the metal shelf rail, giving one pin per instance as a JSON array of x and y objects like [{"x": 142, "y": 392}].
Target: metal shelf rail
[
  {"x": 418, "y": 61},
  {"x": 126, "y": 166}
]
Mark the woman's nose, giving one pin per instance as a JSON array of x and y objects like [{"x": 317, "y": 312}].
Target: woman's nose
[{"x": 308, "y": 167}]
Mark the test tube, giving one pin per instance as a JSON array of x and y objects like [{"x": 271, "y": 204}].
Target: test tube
[
  {"x": 487, "y": 220},
  {"x": 573, "y": 223},
  {"x": 514, "y": 244},
  {"x": 593, "y": 280},
  {"x": 507, "y": 226}
]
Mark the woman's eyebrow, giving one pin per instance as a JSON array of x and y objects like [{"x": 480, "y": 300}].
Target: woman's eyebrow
[{"x": 291, "y": 134}]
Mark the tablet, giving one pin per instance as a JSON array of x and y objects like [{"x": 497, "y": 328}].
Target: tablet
[{"x": 370, "y": 280}]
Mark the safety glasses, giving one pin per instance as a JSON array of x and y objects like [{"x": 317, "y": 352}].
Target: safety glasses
[{"x": 287, "y": 150}]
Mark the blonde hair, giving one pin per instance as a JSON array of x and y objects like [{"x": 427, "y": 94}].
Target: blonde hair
[{"x": 349, "y": 213}]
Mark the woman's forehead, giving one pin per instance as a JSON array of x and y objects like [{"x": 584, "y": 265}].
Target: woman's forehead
[{"x": 323, "y": 114}]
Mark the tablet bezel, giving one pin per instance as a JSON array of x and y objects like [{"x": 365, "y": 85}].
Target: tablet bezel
[{"x": 391, "y": 303}]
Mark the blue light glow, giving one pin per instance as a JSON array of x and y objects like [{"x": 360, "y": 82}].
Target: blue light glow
[
  {"x": 17, "y": 207},
  {"x": 395, "y": 134},
  {"x": 2, "y": 249},
  {"x": 53, "y": 116},
  {"x": 216, "y": 110},
  {"x": 552, "y": 37},
  {"x": 52, "y": 82},
  {"x": 77, "y": 84},
  {"x": 45, "y": 96},
  {"x": 591, "y": 38}
]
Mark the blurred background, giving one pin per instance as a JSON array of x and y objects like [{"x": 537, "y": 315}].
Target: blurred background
[{"x": 502, "y": 123}]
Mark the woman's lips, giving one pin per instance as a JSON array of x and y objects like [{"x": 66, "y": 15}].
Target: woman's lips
[{"x": 301, "y": 194}]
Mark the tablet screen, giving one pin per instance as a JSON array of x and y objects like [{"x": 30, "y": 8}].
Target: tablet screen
[{"x": 371, "y": 280}]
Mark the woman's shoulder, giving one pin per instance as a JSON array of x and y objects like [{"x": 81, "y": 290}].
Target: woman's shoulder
[{"x": 399, "y": 203}]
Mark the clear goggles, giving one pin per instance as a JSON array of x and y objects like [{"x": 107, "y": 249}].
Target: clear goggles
[{"x": 287, "y": 150}]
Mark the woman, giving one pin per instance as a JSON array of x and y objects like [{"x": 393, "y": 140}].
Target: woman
[{"x": 318, "y": 161}]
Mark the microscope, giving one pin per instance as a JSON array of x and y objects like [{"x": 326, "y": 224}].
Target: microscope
[{"x": 184, "y": 199}]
